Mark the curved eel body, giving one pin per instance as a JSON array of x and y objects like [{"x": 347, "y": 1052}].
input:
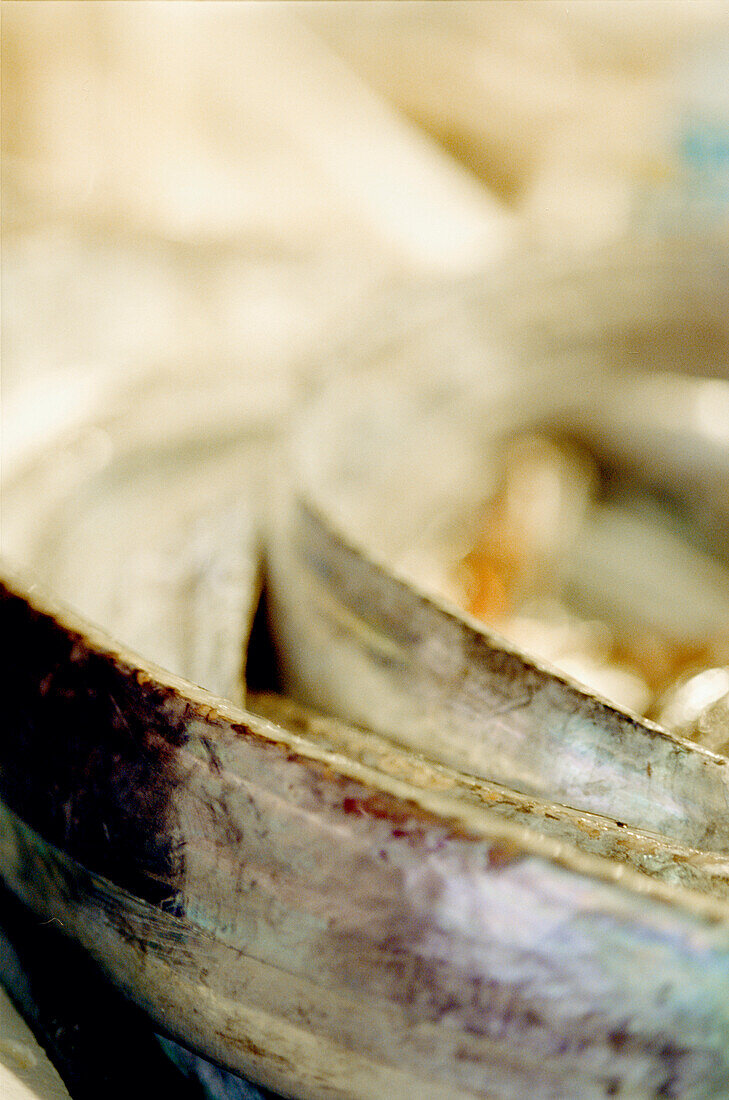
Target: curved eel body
[
  {"x": 389, "y": 466},
  {"x": 328, "y": 928},
  {"x": 480, "y": 880}
]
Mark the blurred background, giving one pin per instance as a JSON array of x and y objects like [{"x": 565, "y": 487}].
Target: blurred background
[
  {"x": 211, "y": 193},
  {"x": 216, "y": 186}
]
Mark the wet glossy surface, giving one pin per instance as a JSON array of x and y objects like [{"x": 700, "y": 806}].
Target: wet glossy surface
[
  {"x": 305, "y": 909},
  {"x": 504, "y": 887}
]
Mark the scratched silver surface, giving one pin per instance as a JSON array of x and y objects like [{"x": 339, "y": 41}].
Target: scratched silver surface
[
  {"x": 390, "y": 466},
  {"x": 455, "y": 902}
]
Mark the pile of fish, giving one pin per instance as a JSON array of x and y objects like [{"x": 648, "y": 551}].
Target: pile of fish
[{"x": 309, "y": 797}]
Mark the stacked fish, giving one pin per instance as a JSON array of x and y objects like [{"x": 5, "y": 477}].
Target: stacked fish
[{"x": 355, "y": 834}]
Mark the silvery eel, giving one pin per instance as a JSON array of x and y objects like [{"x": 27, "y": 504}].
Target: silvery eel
[
  {"x": 343, "y": 912},
  {"x": 390, "y": 467}
]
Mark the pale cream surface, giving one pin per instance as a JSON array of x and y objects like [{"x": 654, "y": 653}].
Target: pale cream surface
[{"x": 25, "y": 1071}]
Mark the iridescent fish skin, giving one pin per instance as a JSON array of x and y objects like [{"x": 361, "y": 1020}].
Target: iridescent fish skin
[
  {"x": 508, "y": 888},
  {"x": 324, "y": 927},
  {"x": 390, "y": 467}
]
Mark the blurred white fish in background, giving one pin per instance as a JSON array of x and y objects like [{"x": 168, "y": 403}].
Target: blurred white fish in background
[
  {"x": 218, "y": 184},
  {"x": 567, "y": 112},
  {"x": 202, "y": 193},
  {"x": 201, "y": 187}
]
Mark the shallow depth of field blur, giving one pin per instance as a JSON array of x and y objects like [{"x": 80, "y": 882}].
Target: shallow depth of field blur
[
  {"x": 201, "y": 200},
  {"x": 218, "y": 187}
]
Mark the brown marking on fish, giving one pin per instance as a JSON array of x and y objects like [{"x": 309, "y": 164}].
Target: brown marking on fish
[
  {"x": 502, "y": 854},
  {"x": 90, "y": 760}
]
